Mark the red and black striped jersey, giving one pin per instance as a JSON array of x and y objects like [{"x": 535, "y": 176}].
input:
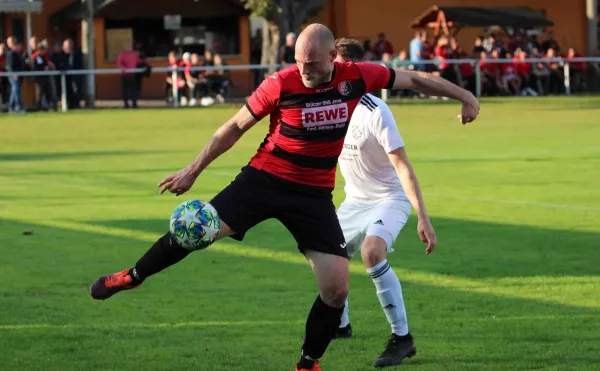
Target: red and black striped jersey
[{"x": 308, "y": 125}]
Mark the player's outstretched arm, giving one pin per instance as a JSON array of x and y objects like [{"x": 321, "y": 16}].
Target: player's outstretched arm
[
  {"x": 221, "y": 141},
  {"x": 411, "y": 187},
  {"x": 430, "y": 84}
]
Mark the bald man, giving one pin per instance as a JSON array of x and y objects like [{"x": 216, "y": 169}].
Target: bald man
[{"x": 292, "y": 175}]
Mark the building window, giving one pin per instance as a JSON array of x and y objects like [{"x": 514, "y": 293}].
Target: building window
[{"x": 195, "y": 35}]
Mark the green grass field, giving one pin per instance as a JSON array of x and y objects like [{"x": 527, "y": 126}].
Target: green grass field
[{"x": 514, "y": 283}]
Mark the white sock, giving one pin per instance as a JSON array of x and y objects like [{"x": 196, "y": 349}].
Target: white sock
[
  {"x": 345, "y": 319},
  {"x": 389, "y": 293}
]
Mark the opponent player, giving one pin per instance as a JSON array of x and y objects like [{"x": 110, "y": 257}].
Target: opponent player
[
  {"x": 380, "y": 188},
  {"x": 293, "y": 173}
]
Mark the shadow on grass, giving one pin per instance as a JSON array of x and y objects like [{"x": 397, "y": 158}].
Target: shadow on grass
[
  {"x": 466, "y": 248},
  {"x": 454, "y": 330},
  {"x": 70, "y": 155}
]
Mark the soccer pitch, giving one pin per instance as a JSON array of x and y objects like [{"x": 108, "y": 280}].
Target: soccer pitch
[{"x": 514, "y": 283}]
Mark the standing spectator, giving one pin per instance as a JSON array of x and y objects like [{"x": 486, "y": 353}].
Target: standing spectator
[
  {"x": 550, "y": 43},
  {"x": 70, "y": 60},
  {"x": 532, "y": 45},
  {"x": 369, "y": 52},
  {"x": 382, "y": 46},
  {"x": 128, "y": 59},
  {"x": 477, "y": 47},
  {"x": 3, "y": 80},
  {"x": 416, "y": 50},
  {"x": 40, "y": 61},
  {"x": 286, "y": 52},
  {"x": 56, "y": 59},
  {"x": 256, "y": 55},
  {"x": 15, "y": 64},
  {"x": 139, "y": 76}
]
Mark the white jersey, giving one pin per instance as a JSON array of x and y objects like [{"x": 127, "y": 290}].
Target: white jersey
[{"x": 364, "y": 163}]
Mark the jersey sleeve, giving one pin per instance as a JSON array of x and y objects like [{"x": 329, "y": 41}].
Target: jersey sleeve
[
  {"x": 376, "y": 76},
  {"x": 266, "y": 98},
  {"x": 385, "y": 130}
]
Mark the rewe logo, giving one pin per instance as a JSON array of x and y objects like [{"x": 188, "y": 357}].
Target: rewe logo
[{"x": 318, "y": 116}]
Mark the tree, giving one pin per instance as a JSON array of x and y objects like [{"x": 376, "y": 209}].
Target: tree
[{"x": 281, "y": 17}]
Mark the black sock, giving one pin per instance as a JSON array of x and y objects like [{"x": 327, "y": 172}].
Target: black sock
[
  {"x": 164, "y": 253},
  {"x": 321, "y": 325}
]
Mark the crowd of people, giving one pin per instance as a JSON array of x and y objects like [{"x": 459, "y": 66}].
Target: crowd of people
[
  {"x": 39, "y": 56},
  {"x": 517, "y": 77},
  {"x": 193, "y": 87}
]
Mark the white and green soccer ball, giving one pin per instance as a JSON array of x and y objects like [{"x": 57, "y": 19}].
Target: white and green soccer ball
[{"x": 195, "y": 224}]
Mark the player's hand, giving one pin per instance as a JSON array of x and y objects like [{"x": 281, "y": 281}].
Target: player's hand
[
  {"x": 178, "y": 183},
  {"x": 427, "y": 234},
  {"x": 469, "y": 111}
]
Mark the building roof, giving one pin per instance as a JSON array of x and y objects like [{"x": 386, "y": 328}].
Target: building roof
[
  {"x": 126, "y": 9},
  {"x": 520, "y": 17},
  {"x": 17, "y": 6}
]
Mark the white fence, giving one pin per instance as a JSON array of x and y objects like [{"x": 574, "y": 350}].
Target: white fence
[{"x": 564, "y": 63}]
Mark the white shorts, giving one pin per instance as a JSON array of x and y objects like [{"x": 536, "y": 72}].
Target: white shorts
[{"x": 384, "y": 220}]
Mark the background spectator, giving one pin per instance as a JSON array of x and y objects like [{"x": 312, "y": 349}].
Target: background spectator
[
  {"x": 15, "y": 63},
  {"x": 128, "y": 59},
  {"x": 382, "y": 46},
  {"x": 287, "y": 51}
]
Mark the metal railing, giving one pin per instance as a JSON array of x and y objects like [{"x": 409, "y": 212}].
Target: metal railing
[{"x": 475, "y": 63}]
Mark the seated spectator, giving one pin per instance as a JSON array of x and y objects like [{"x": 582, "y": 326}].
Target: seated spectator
[
  {"x": 556, "y": 73},
  {"x": 219, "y": 79},
  {"x": 524, "y": 70},
  {"x": 576, "y": 70},
  {"x": 511, "y": 81},
  {"x": 171, "y": 84},
  {"x": 401, "y": 61},
  {"x": 489, "y": 75},
  {"x": 195, "y": 80},
  {"x": 186, "y": 62},
  {"x": 541, "y": 74},
  {"x": 467, "y": 73},
  {"x": 594, "y": 74}
]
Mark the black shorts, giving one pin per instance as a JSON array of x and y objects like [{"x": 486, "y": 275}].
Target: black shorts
[{"x": 308, "y": 214}]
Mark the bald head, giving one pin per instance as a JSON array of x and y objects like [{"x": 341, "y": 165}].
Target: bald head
[{"x": 315, "y": 53}]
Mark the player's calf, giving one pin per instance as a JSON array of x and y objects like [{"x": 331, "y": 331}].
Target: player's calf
[
  {"x": 189, "y": 232},
  {"x": 324, "y": 318}
]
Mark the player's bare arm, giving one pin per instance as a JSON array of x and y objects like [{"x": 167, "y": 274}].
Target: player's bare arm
[
  {"x": 221, "y": 141},
  {"x": 430, "y": 84},
  {"x": 410, "y": 184}
]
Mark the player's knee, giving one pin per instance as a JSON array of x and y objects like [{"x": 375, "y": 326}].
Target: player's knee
[
  {"x": 373, "y": 251},
  {"x": 335, "y": 295}
]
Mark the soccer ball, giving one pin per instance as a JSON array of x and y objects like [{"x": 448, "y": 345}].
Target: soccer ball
[{"x": 195, "y": 224}]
